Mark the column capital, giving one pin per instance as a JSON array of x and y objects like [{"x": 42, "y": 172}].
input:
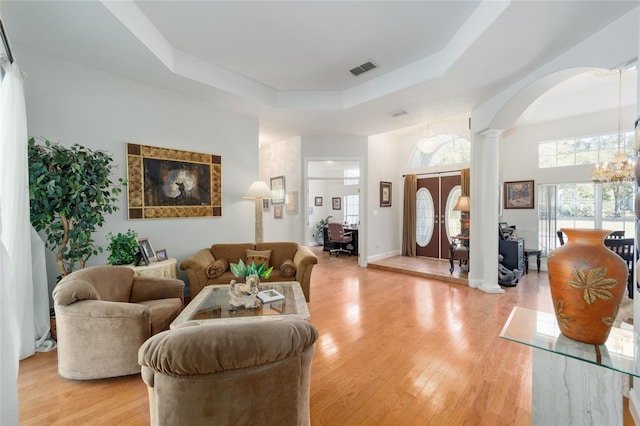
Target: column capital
[{"x": 491, "y": 133}]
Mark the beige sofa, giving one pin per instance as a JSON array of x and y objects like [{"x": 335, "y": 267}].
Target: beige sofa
[
  {"x": 230, "y": 374},
  {"x": 290, "y": 262},
  {"x": 104, "y": 314}
]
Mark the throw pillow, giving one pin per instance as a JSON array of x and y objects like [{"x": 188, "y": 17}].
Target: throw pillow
[
  {"x": 288, "y": 269},
  {"x": 258, "y": 257},
  {"x": 217, "y": 268}
]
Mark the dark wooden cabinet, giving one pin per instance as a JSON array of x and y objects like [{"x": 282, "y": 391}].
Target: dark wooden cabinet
[
  {"x": 513, "y": 253},
  {"x": 352, "y": 246}
]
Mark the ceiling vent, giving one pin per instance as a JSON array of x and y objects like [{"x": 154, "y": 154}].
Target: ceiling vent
[
  {"x": 398, "y": 113},
  {"x": 360, "y": 69}
]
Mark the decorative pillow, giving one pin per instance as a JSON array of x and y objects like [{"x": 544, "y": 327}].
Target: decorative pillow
[
  {"x": 288, "y": 269},
  {"x": 217, "y": 268},
  {"x": 258, "y": 257}
]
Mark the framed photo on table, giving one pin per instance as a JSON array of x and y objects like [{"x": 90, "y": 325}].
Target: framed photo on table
[
  {"x": 519, "y": 194},
  {"x": 146, "y": 251},
  {"x": 161, "y": 254}
]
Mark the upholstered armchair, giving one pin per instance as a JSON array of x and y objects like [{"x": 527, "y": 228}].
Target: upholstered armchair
[
  {"x": 104, "y": 314},
  {"x": 230, "y": 374}
]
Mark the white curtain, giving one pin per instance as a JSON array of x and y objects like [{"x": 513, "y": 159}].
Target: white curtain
[{"x": 24, "y": 302}]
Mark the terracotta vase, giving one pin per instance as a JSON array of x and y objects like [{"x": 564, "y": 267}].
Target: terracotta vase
[{"x": 587, "y": 283}]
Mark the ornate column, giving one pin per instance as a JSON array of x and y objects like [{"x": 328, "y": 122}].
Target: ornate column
[{"x": 483, "y": 239}]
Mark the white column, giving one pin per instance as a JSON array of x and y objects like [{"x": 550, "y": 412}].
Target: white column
[{"x": 483, "y": 256}]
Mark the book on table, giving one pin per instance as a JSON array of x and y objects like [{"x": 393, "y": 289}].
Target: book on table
[{"x": 271, "y": 295}]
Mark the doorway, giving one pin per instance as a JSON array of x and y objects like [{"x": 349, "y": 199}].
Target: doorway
[{"x": 436, "y": 221}]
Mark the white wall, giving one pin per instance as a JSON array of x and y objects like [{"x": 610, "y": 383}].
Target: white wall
[
  {"x": 283, "y": 159},
  {"x": 385, "y": 223},
  {"x": 73, "y": 104}
]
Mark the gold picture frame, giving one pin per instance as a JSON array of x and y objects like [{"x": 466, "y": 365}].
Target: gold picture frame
[
  {"x": 172, "y": 183},
  {"x": 519, "y": 194}
]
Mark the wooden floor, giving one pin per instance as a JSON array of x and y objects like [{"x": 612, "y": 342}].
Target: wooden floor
[{"x": 394, "y": 349}]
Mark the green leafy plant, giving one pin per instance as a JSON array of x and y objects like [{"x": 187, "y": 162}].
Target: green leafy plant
[
  {"x": 319, "y": 235},
  {"x": 70, "y": 191},
  {"x": 241, "y": 270},
  {"x": 123, "y": 248}
]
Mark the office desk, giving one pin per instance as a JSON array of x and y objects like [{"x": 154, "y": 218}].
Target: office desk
[{"x": 352, "y": 246}]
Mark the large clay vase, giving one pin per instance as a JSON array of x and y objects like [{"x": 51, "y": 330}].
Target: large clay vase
[{"x": 587, "y": 283}]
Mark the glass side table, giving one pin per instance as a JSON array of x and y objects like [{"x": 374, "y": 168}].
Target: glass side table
[{"x": 573, "y": 382}]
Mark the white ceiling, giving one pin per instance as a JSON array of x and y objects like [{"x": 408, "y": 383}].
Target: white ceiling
[{"x": 287, "y": 62}]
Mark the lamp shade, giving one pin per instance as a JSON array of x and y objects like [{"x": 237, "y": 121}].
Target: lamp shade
[
  {"x": 258, "y": 189},
  {"x": 463, "y": 204}
]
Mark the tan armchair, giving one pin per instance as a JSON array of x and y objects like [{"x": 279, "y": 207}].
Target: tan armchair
[
  {"x": 229, "y": 374},
  {"x": 104, "y": 314}
]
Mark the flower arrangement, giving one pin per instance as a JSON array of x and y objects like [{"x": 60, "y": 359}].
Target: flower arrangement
[{"x": 241, "y": 270}]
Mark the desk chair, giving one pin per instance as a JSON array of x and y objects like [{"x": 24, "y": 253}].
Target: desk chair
[{"x": 338, "y": 236}]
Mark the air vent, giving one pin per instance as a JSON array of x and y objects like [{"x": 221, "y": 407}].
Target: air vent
[
  {"x": 398, "y": 113},
  {"x": 367, "y": 66}
]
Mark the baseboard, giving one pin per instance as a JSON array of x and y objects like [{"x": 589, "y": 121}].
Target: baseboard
[{"x": 383, "y": 255}]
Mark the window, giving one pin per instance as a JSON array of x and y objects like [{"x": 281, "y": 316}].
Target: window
[
  {"x": 585, "y": 150},
  {"x": 575, "y": 205},
  {"x": 441, "y": 150},
  {"x": 352, "y": 209},
  {"x": 351, "y": 173}
]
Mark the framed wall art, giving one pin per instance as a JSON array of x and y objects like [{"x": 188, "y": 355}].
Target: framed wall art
[
  {"x": 292, "y": 202},
  {"x": 385, "y": 194},
  {"x": 318, "y": 201},
  {"x": 265, "y": 204},
  {"x": 277, "y": 211},
  {"x": 171, "y": 183},
  {"x": 336, "y": 203},
  {"x": 519, "y": 194},
  {"x": 277, "y": 190}
]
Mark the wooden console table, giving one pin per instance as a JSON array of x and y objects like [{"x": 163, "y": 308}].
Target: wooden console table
[{"x": 573, "y": 382}]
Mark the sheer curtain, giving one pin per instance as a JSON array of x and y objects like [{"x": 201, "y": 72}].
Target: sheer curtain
[{"x": 24, "y": 302}]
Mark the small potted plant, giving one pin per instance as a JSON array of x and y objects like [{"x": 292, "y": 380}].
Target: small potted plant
[
  {"x": 319, "y": 234},
  {"x": 123, "y": 248}
]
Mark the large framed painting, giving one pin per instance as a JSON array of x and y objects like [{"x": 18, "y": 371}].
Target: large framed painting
[
  {"x": 519, "y": 194},
  {"x": 172, "y": 183}
]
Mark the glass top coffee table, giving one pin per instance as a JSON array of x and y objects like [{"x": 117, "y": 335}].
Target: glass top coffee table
[{"x": 211, "y": 306}]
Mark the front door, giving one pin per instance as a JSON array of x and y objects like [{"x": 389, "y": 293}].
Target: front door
[{"x": 435, "y": 217}]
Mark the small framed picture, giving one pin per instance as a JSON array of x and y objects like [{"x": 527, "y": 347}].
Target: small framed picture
[
  {"x": 385, "y": 194},
  {"x": 519, "y": 194},
  {"x": 337, "y": 203},
  {"x": 278, "y": 190},
  {"x": 265, "y": 204},
  {"x": 277, "y": 211},
  {"x": 161, "y": 254},
  {"x": 146, "y": 250},
  {"x": 318, "y": 201},
  {"x": 292, "y": 202}
]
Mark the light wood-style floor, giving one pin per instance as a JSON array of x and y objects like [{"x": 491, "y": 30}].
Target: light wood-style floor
[{"x": 394, "y": 349}]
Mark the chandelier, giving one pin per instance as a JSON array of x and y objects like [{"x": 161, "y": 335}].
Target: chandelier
[{"x": 620, "y": 169}]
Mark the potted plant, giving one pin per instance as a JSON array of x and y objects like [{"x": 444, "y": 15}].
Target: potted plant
[
  {"x": 319, "y": 234},
  {"x": 71, "y": 192},
  {"x": 123, "y": 248}
]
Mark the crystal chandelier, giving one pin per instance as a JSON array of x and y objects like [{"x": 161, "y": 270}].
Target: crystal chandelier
[{"x": 620, "y": 169}]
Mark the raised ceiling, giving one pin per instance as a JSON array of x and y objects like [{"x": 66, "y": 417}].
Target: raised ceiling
[{"x": 288, "y": 62}]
